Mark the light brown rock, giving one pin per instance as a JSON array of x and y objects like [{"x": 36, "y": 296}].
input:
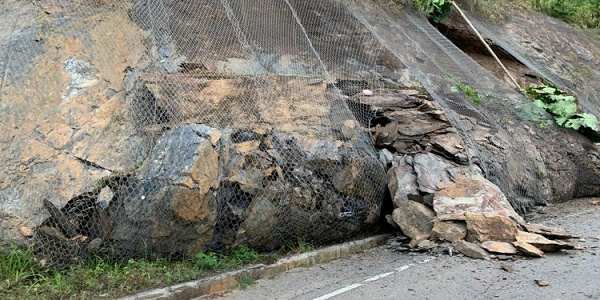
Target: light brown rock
[
  {"x": 449, "y": 231},
  {"x": 549, "y": 232},
  {"x": 542, "y": 283},
  {"x": 499, "y": 247},
  {"x": 470, "y": 250},
  {"x": 450, "y": 142},
  {"x": 26, "y": 231},
  {"x": 484, "y": 227},
  {"x": 414, "y": 219},
  {"x": 472, "y": 194},
  {"x": 528, "y": 249},
  {"x": 414, "y": 242},
  {"x": 246, "y": 147},
  {"x": 542, "y": 243}
]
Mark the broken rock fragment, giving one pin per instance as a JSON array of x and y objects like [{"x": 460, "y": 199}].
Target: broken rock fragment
[
  {"x": 541, "y": 242},
  {"x": 449, "y": 231},
  {"x": 484, "y": 227},
  {"x": 414, "y": 219},
  {"x": 472, "y": 194},
  {"x": 402, "y": 181},
  {"x": 499, "y": 247},
  {"x": 471, "y": 250},
  {"x": 528, "y": 249},
  {"x": 549, "y": 232}
]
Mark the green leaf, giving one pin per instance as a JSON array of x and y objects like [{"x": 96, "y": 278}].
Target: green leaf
[
  {"x": 561, "y": 120},
  {"x": 539, "y": 103},
  {"x": 574, "y": 123},
  {"x": 563, "y": 108},
  {"x": 589, "y": 121},
  {"x": 563, "y": 98},
  {"x": 549, "y": 90}
]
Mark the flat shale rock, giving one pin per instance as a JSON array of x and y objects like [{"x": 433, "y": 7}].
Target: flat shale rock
[
  {"x": 499, "y": 247},
  {"x": 549, "y": 232},
  {"x": 542, "y": 243},
  {"x": 528, "y": 249}
]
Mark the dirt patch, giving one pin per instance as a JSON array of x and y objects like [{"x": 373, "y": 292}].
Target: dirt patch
[{"x": 458, "y": 32}]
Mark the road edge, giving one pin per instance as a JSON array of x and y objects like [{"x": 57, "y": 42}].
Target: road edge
[{"x": 230, "y": 280}]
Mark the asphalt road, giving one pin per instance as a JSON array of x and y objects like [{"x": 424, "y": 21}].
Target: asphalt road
[{"x": 383, "y": 273}]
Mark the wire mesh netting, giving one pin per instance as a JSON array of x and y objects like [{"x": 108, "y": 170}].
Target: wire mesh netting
[
  {"x": 168, "y": 128},
  {"x": 174, "y": 127},
  {"x": 441, "y": 66}
]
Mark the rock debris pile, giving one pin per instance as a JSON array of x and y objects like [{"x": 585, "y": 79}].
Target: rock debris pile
[{"x": 440, "y": 200}]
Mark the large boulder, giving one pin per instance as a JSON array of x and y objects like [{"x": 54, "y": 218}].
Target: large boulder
[{"x": 204, "y": 189}]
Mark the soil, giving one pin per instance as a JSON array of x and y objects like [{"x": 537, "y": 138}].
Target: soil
[{"x": 458, "y": 32}]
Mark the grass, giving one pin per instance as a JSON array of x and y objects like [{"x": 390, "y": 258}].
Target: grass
[
  {"x": 296, "y": 246},
  {"x": 239, "y": 257},
  {"x": 22, "y": 277},
  {"x": 581, "y": 13}
]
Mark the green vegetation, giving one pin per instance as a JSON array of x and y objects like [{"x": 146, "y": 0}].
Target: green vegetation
[
  {"x": 563, "y": 108},
  {"x": 17, "y": 268},
  {"x": 22, "y": 277},
  {"x": 468, "y": 91},
  {"x": 438, "y": 10},
  {"x": 298, "y": 245},
  {"x": 582, "y": 13},
  {"x": 239, "y": 257},
  {"x": 541, "y": 174}
]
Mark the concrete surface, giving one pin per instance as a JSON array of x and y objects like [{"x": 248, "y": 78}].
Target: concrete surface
[
  {"x": 382, "y": 273},
  {"x": 230, "y": 280}
]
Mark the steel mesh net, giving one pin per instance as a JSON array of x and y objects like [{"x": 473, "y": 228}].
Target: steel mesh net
[{"x": 168, "y": 128}]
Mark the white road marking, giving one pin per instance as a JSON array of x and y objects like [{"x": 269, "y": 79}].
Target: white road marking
[
  {"x": 340, "y": 291},
  {"x": 374, "y": 278},
  {"x": 378, "y": 277},
  {"x": 427, "y": 260},
  {"x": 403, "y": 268}
]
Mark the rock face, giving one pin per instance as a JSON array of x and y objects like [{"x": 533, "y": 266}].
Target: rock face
[
  {"x": 73, "y": 128},
  {"x": 206, "y": 189},
  {"x": 136, "y": 142}
]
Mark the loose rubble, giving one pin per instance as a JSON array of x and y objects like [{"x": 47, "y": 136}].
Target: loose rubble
[{"x": 441, "y": 202}]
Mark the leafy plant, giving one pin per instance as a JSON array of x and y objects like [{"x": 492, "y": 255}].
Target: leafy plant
[
  {"x": 438, "y": 10},
  {"x": 244, "y": 255},
  {"x": 240, "y": 256},
  {"x": 563, "y": 108},
  {"x": 207, "y": 261}
]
